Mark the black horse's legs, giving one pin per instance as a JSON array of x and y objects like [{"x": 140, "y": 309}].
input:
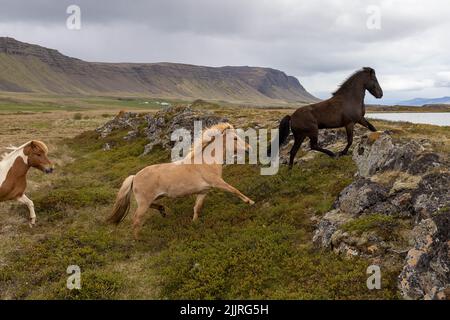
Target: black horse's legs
[
  {"x": 349, "y": 130},
  {"x": 314, "y": 146},
  {"x": 297, "y": 144},
  {"x": 367, "y": 124}
]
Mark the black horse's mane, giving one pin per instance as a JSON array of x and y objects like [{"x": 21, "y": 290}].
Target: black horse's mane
[{"x": 350, "y": 81}]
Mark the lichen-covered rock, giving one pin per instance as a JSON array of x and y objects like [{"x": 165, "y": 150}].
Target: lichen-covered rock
[
  {"x": 432, "y": 194},
  {"x": 424, "y": 162},
  {"x": 426, "y": 274},
  {"x": 360, "y": 196},
  {"x": 327, "y": 226},
  {"x": 123, "y": 120},
  {"x": 377, "y": 152},
  {"x": 401, "y": 180},
  {"x": 161, "y": 125}
]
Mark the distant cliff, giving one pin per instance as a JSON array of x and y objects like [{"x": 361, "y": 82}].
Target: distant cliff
[{"x": 31, "y": 68}]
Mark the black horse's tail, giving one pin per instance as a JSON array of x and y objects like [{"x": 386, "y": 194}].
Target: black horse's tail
[
  {"x": 283, "y": 132},
  {"x": 284, "y": 129}
]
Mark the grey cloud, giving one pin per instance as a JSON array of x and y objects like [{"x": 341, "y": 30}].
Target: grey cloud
[{"x": 313, "y": 40}]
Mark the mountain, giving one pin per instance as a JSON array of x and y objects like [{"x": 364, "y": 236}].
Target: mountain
[
  {"x": 424, "y": 101},
  {"x": 31, "y": 68}
]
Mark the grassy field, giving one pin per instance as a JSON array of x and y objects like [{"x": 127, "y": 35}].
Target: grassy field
[
  {"x": 33, "y": 102},
  {"x": 233, "y": 251}
]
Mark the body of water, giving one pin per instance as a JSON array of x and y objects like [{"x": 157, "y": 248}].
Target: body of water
[{"x": 434, "y": 118}]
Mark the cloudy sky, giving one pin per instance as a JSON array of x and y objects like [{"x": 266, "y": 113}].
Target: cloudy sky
[{"x": 319, "y": 42}]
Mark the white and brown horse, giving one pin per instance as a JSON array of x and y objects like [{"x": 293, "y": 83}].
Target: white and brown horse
[
  {"x": 14, "y": 168},
  {"x": 178, "y": 179}
]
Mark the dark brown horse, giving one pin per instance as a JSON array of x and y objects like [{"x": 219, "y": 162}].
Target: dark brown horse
[{"x": 344, "y": 109}]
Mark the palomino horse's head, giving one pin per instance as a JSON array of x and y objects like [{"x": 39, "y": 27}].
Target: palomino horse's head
[
  {"x": 229, "y": 133},
  {"x": 239, "y": 144},
  {"x": 371, "y": 83},
  {"x": 36, "y": 152},
  {"x": 228, "y": 137}
]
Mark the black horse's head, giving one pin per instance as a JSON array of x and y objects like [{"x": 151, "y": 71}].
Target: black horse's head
[{"x": 371, "y": 84}]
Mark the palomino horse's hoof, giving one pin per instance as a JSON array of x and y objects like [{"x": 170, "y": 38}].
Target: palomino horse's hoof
[{"x": 251, "y": 202}]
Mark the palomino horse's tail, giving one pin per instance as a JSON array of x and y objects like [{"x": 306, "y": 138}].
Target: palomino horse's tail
[
  {"x": 123, "y": 200},
  {"x": 283, "y": 132}
]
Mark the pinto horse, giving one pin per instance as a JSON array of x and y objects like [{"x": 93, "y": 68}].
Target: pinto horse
[
  {"x": 178, "y": 179},
  {"x": 14, "y": 168},
  {"x": 344, "y": 109}
]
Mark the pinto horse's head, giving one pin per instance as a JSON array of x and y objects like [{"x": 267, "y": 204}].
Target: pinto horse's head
[
  {"x": 36, "y": 152},
  {"x": 371, "y": 84}
]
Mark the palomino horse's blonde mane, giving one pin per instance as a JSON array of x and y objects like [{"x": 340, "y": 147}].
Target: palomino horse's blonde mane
[
  {"x": 221, "y": 127},
  {"x": 13, "y": 149}
]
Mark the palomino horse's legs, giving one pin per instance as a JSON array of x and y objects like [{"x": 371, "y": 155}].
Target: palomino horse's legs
[
  {"x": 367, "y": 124},
  {"x": 138, "y": 220},
  {"x": 314, "y": 146},
  {"x": 159, "y": 207},
  {"x": 143, "y": 203},
  {"x": 349, "y": 130},
  {"x": 198, "y": 205},
  {"x": 225, "y": 186},
  {"x": 26, "y": 201}
]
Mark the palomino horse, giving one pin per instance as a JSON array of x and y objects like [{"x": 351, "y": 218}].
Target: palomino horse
[
  {"x": 13, "y": 172},
  {"x": 344, "y": 109},
  {"x": 178, "y": 179}
]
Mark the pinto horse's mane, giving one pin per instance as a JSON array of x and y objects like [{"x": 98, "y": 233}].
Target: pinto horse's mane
[
  {"x": 13, "y": 149},
  {"x": 350, "y": 82},
  {"x": 221, "y": 127}
]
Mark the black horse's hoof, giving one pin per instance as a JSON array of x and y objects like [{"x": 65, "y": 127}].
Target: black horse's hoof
[{"x": 333, "y": 155}]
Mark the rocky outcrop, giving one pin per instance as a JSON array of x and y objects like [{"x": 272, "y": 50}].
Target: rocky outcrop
[
  {"x": 426, "y": 274},
  {"x": 432, "y": 194},
  {"x": 395, "y": 180},
  {"x": 161, "y": 125},
  {"x": 361, "y": 196},
  {"x": 158, "y": 127},
  {"x": 123, "y": 120}
]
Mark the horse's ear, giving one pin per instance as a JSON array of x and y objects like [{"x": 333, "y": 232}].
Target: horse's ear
[
  {"x": 34, "y": 145},
  {"x": 370, "y": 70}
]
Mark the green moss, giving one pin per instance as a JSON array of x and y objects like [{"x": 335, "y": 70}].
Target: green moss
[
  {"x": 259, "y": 262},
  {"x": 44, "y": 263},
  {"x": 383, "y": 225},
  {"x": 233, "y": 251},
  {"x": 95, "y": 285},
  {"x": 76, "y": 198}
]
